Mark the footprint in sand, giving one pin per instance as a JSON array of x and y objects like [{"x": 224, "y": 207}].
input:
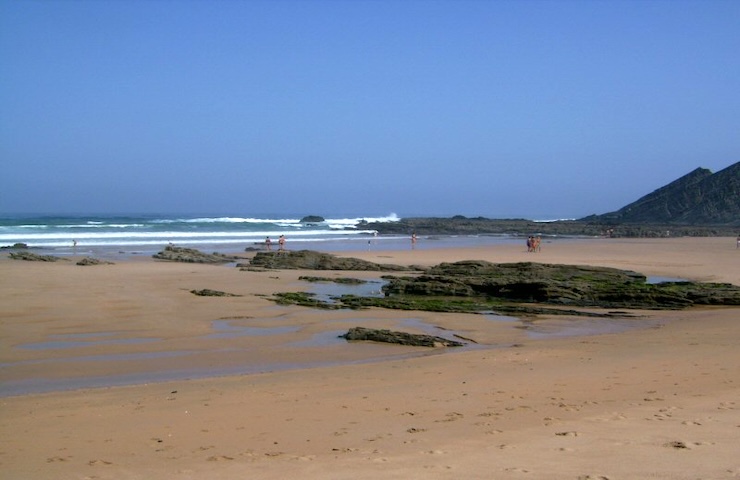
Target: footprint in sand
[
  {"x": 451, "y": 417},
  {"x": 345, "y": 450},
  {"x": 435, "y": 452},
  {"x": 57, "y": 459},
  {"x": 677, "y": 444},
  {"x": 547, "y": 421},
  {"x": 218, "y": 458},
  {"x": 516, "y": 469},
  {"x": 690, "y": 422}
]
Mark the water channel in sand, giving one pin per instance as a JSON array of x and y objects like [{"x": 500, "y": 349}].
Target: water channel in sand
[{"x": 74, "y": 346}]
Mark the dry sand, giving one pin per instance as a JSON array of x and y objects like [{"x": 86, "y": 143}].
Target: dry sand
[{"x": 656, "y": 402}]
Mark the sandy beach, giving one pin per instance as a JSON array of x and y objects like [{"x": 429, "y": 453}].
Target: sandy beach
[{"x": 119, "y": 372}]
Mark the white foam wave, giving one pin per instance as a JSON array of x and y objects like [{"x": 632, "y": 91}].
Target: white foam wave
[
  {"x": 290, "y": 221},
  {"x": 150, "y": 238},
  {"x": 554, "y": 220},
  {"x": 76, "y": 225}
]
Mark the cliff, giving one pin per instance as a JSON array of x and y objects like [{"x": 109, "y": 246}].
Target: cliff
[{"x": 699, "y": 198}]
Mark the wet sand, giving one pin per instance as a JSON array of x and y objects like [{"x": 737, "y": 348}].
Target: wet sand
[{"x": 656, "y": 399}]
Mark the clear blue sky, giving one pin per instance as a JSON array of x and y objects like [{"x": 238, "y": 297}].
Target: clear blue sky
[{"x": 492, "y": 108}]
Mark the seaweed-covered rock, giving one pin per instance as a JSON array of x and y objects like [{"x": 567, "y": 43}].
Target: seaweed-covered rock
[
  {"x": 401, "y": 338},
  {"x": 191, "y": 255},
  {"x": 207, "y": 292},
  {"x": 340, "y": 280},
  {"x": 573, "y": 285},
  {"x": 33, "y": 257},
  {"x": 312, "y": 260},
  {"x": 92, "y": 261}
]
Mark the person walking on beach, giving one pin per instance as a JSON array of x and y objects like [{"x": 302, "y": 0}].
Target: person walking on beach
[
  {"x": 268, "y": 243},
  {"x": 281, "y": 242},
  {"x": 413, "y": 240}
]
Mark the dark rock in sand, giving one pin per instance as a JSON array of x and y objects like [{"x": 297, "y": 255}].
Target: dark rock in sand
[
  {"x": 572, "y": 285},
  {"x": 341, "y": 280},
  {"x": 401, "y": 338},
  {"x": 191, "y": 255},
  {"x": 32, "y": 257},
  {"x": 206, "y": 292},
  {"x": 93, "y": 261},
  {"x": 311, "y": 260}
]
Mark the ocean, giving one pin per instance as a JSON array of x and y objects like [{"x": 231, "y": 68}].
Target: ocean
[{"x": 117, "y": 235}]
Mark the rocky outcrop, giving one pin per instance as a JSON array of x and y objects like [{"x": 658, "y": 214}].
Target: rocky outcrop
[
  {"x": 526, "y": 288},
  {"x": 590, "y": 226},
  {"x": 33, "y": 257},
  {"x": 92, "y": 261},
  {"x": 207, "y": 292},
  {"x": 699, "y": 204},
  {"x": 340, "y": 280},
  {"x": 15, "y": 246},
  {"x": 312, "y": 219},
  {"x": 571, "y": 285},
  {"x": 191, "y": 255},
  {"x": 312, "y": 260},
  {"x": 400, "y": 338}
]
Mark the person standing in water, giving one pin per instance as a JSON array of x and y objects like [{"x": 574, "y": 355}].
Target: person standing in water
[{"x": 281, "y": 242}]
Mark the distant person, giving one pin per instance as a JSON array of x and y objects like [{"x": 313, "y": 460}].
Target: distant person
[
  {"x": 413, "y": 241},
  {"x": 738, "y": 242},
  {"x": 268, "y": 243},
  {"x": 74, "y": 243},
  {"x": 281, "y": 242}
]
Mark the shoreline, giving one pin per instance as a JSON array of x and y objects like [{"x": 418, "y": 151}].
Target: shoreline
[{"x": 552, "y": 408}]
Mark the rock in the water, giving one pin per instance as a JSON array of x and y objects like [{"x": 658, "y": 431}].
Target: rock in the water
[
  {"x": 401, "y": 338},
  {"x": 191, "y": 255},
  {"x": 312, "y": 219},
  {"x": 16, "y": 246}
]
